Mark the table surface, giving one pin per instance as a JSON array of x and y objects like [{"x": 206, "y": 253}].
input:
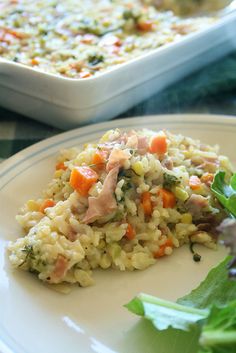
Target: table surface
[{"x": 213, "y": 90}]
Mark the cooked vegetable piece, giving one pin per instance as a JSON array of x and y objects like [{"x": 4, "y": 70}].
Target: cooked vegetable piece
[
  {"x": 61, "y": 165},
  {"x": 147, "y": 203},
  {"x": 82, "y": 179},
  {"x": 130, "y": 232},
  {"x": 145, "y": 25},
  {"x": 158, "y": 144},
  {"x": 170, "y": 181},
  {"x": 207, "y": 178},
  {"x": 194, "y": 182},
  {"x": 168, "y": 198},
  {"x": 161, "y": 251},
  {"x": 45, "y": 204},
  {"x": 34, "y": 62}
]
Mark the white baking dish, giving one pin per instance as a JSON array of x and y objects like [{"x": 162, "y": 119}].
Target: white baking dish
[{"x": 67, "y": 103}]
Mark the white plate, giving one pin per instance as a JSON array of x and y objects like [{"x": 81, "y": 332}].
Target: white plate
[
  {"x": 35, "y": 319},
  {"x": 67, "y": 103}
]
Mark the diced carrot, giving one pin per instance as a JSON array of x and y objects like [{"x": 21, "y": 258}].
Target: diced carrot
[
  {"x": 82, "y": 178},
  {"x": 85, "y": 74},
  {"x": 161, "y": 251},
  {"x": 158, "y": 144},
  {"x": 207, "y": 178},
  {"x": 45, "y": 204},
  {"x": 61, "y": 165},
  {"x": 194, "y": 182},
  {"x": 130, "y": 232},
  {"x": 147, "y": 203},
  {"x": 168, "y": 198},
  {"x": 34, "y": 62},
  {"x": 99, "y": 159},
  {"x": 145, "y": 25}
]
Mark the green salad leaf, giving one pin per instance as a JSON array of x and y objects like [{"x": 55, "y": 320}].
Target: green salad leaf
[
  {"x": 225, "y": 193},
  {"x": 164, "y": 313},
  {"x": 211, "y": 307},
  {"x": 215, "y": 288},
  {"x": 219, "y": 330}
]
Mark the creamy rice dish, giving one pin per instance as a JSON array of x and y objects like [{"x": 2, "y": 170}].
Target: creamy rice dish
[
  {"x": 123, "y": 202},
  {"x": 80, "y": 39}
]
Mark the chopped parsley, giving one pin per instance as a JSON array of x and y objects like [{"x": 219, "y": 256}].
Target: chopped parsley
[
  {"x": 170, "y": 181},
  {"x": 95, "y": 59}
]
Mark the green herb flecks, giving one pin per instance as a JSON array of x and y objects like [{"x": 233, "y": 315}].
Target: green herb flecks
[
  {"x": 95, "y": 59},
  {"x": 170, "y": 181},
  {"x": 29, "y": 251}
]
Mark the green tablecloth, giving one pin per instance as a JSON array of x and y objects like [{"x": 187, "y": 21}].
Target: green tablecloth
[{"x": 210, "y": 90}]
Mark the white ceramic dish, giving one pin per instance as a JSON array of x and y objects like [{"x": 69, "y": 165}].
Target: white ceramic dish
[
  {"x": 67, "y": 103},
  {"x": 35, "y": 319}
]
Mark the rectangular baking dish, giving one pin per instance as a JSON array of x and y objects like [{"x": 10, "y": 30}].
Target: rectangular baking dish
[{"x": 67, "y": 103}]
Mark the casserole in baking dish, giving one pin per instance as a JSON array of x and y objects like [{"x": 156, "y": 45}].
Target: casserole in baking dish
[{"x": 95, "y": 60}]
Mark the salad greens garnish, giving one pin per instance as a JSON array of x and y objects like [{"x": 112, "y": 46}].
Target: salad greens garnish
[
  {"x": 164, "y": 313},
  {"x": 225, "y": 193},
  {"x": 211, "y": 307},
  {"x": 216, "y": 288},
  {"x": 219, "y": 330}
]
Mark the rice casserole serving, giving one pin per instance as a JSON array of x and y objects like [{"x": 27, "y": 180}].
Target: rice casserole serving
[
  {"x": 80, "y": 39},
  {"x": 123, "y": 202}
]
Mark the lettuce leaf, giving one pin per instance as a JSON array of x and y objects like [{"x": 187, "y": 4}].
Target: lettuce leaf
[
  {"x": 225, "y": 193},
  {"x": 211, "y": 307},
  {"x": 219, "y": 330},
  {"x": 215, "y": 288},
  {"x": 164, "y": 313}
]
